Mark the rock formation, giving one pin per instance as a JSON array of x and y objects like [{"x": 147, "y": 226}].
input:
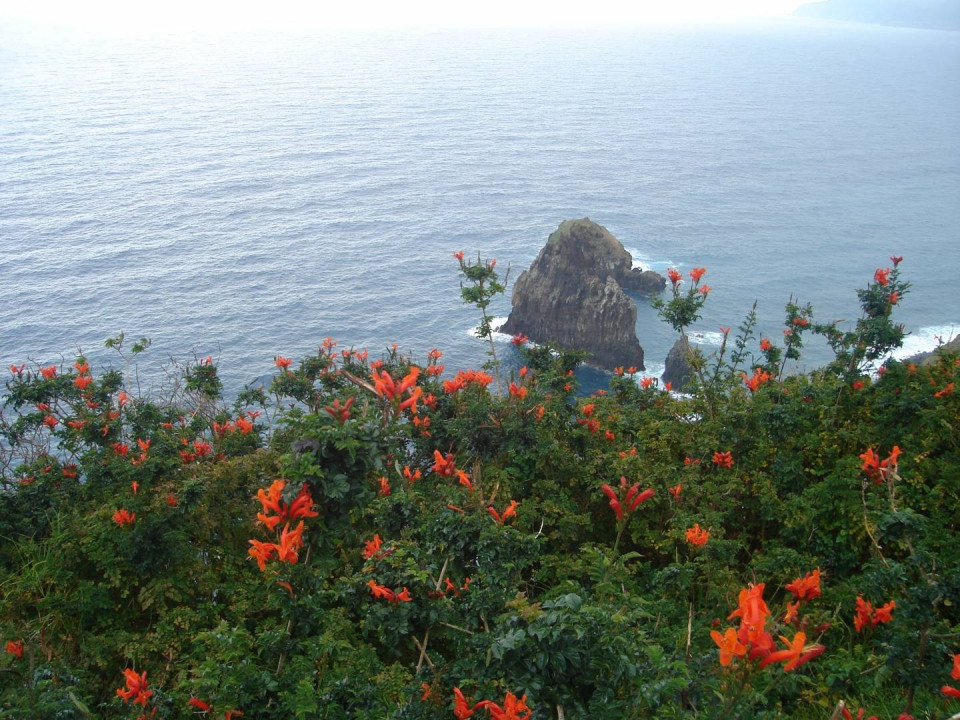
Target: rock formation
[
  {"x": 677, "y": 370},
  {"x": 573, "y": 295}
]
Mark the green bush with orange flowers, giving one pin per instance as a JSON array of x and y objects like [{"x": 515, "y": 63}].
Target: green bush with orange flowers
[{"x": 384, "y": 538}]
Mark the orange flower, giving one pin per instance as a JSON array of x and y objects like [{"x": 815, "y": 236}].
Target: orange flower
[
  {"x": 867, "y": 616},
  {"x": 262, "y": 552},
  {"x": 759, "y": 378},
  {"x": 50, "y": 421},
  {"x": 513, "y": 708},
  {"x": 675, "y": 276},
  {"x": 876, "y": 469},
  {"x": 697, "y": 536},
  {"x": 136, "y": 688},
  {"x": 384, "y": 489},
  {"x": 290, "y": 542},
  {"x": 676, "y": 490},
  {"x": 723, "y": 459},
  {"x": 628, "y": 499},
  {"x": 199, "y": 704},
  {"x": 792, "y": 612},
  {"x": 948, "y": 390},
  {"x": 882, "y": 277},
  {"x": 124, "y": 517},
  {"x": 796, "y": 654},
  {"x": 411, "y": 477},
  {"x": 387, "y": 387},
  {"x": 462, "y": 709},
  {"x": 76, "y": 424},
  {"x": 765, "y": 344},
  {"x": 271, "y": 500},
  {"x": 458, "y": 255},
  {"x": 519, "y": 339},
  {"x": 444, "y": 466},
  {"x": 730, "y": 646},
  {"x": 697, "y": 273},
  {"x": 282, "y": 362},
  {"x": 955, "y": 672},
  {"x": 465, "y": 480},
  {"x": 49, "y": 373},
  {"x": 15, "y": 647},
  {"x": 372, "y": 547},
  {"x": 340, "y": 413},
  {"x": 511, "y": 511},
  {"x": 646, "y": 382},
  {"x": 134, "y": 486},
  {"x": 82, "y": 381},
  {"x": 807, "y": 587},
  {"x": 380, "y": 591},
  {"x": 517, "y": 391},
  {"x": 753, "y": 613},
  {"x": 385, "y": 593}
]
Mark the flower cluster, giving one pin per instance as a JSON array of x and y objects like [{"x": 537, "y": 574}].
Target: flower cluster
[
  {"x": 876, "y": 469},
  {"x": 627, "y": 499},
  {"x": 754, "y": 641},
  {"x": 868, "y": 616},
  {"x": 136, "y": 688},
  {"x": 513, "y": 708},
  {"x": 394, "y": 391},
  {"x": 465, "y": 378},
  {"x": 290, "y": 540}
]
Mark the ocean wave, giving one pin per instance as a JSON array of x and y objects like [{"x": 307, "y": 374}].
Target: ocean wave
[
  {"x": 644, "y": 261},
  {"x": 926, "y": 339},
  {"x": 706, "y": 337}
]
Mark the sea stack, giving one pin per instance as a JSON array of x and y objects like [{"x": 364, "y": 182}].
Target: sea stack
[{"x": 573, "y": 296}]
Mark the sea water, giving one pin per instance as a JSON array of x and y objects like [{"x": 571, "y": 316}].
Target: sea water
[{"x": 247, "y": 195}]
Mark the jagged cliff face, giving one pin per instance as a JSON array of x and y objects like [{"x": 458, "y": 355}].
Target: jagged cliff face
[{"x": 573, "y": 296}]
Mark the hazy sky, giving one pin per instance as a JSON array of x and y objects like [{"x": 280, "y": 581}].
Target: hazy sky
[{"x": 131, "y": 15}]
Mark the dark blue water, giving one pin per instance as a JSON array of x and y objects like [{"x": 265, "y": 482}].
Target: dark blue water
[{"x": 245, "y": 196}]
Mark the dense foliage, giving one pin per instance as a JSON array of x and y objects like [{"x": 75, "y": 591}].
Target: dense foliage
[{"x": 374, "y": 538}]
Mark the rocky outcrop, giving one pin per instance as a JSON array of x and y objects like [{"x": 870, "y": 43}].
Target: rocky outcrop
[
  {"x": 573, "y": 295},
  {"x": 677, "y": 370}
]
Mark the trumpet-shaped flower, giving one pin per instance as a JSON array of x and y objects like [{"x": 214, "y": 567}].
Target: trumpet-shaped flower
[
  {"x": 796, "y": 654},
  {"x": 697, "y": 536},
  {"x": 511, "y": 511},
  {"x": 14, "y": 647},
  {"x": 868, "y": 616},
  {"x": 730, "y": 646},
  {"x": 723, "y": 459},
  {"x": 807, "y": 587},
  {"x": 627, "y": 499},
  {"x": 876, "y": 469},
  {"x": 136, "y": 688}
]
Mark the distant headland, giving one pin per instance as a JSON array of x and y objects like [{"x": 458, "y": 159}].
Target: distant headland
[{"x": 929, "y": 14}]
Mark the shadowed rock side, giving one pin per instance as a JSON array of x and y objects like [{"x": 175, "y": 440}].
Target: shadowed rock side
[
  {"x": 677, "y": 370},
  {"x": 573, "y": 296}
]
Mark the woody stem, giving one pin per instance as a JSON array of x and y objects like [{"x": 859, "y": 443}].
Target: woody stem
[{"x": 426, "y": 635}]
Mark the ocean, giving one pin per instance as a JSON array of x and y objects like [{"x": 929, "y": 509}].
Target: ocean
[{"x": 248, "y": 195}]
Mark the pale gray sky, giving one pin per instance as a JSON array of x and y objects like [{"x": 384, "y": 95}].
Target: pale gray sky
[{"x": 211, "y": 15}]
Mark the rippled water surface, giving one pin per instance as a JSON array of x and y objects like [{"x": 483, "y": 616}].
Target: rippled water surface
[{"x": 249, "y": 195}]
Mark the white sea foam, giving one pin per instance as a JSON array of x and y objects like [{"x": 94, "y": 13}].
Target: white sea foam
[
  {"x": 654, "y": 370},
  {"x": 706, "y": 337},
  {"x": 645, "y": 262},
  {"x": 926, "y": 339}
]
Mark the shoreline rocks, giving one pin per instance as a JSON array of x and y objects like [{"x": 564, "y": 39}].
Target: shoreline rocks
[{"x": 573, "y": 295}]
